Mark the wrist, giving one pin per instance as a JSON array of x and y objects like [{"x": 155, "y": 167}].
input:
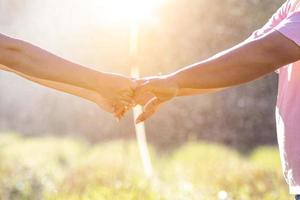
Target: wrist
[
  {"x": 101, "y": 82},
  {"x": 173, "y": 82}
]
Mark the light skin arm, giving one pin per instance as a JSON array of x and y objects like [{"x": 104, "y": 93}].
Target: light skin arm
[
  {"x": 35, "y": 62},
  {"x": 77, "y": 91},
  {"x": 245, "y": 62}
]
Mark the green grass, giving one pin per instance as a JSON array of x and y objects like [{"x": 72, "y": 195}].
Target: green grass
[{"x": 67, "y": 169}]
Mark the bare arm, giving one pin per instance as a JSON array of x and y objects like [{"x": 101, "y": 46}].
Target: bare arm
[
  {"x": 35, "y": 62},
  {"x": 267, "y": 28},
  {"x": 77, "y": 91},
  {"x": 245, "y": 62}
]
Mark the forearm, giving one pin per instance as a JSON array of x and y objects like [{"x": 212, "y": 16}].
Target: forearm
[
  {"x": 35, "y": 62},
  {"x": 191, "y": 92},
  {"x": 243, "y": 63}
]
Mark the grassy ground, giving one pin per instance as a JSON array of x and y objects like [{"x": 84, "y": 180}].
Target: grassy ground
[{"x": 66, "y": 169}]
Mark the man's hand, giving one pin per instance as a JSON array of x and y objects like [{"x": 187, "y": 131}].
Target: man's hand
[
  {"x": 152, "y": 93},
  {"x": 245, "y": 62}
]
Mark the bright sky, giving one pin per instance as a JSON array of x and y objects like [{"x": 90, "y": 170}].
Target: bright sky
[{"x": 124, "y": 11}]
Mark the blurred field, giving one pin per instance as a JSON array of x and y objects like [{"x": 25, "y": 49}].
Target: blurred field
[{"x": 65, "y": 169}]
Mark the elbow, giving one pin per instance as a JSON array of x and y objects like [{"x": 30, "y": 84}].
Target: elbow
[
  {"x": 278, "y": 50},
  {"x": 280, "y": 57}
]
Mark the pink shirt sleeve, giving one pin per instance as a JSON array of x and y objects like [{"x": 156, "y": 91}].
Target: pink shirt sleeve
[
  {"x": 290, "y": 27},
  {"x": 278, "y": 16}
]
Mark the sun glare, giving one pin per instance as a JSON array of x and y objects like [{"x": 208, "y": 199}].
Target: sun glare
[
  {"x": 124, "y": 11},
  {"x": 130, "y": 13}
]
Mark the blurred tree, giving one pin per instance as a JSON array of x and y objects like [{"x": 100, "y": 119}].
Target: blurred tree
[{"x": 187, "y": 31}]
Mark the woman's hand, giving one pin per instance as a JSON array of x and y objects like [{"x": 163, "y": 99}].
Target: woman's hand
[{"x": 118, "y": 91}]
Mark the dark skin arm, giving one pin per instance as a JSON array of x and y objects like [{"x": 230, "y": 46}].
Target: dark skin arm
[{"x": 245, "y": 62}]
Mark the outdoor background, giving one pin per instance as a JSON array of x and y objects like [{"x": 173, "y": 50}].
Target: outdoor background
[{"x": 214, "y": 146}]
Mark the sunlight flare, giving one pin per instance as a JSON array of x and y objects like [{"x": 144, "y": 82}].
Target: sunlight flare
[
  {"x": 111, "y": 12},
  {"x": 131, "y": 13}
]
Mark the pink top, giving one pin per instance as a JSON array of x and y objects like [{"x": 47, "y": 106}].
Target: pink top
[{"x": 287, "y": 21}]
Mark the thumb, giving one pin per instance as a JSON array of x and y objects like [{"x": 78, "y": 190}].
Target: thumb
[
  {"x": 142, "y": 87},
  {"x": 105, "y": 106},
  {"x": 149, "y": 109},
  {"x": 143, "y": 93}
]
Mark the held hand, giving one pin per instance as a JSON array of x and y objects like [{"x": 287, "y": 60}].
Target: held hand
[
  {"x": 102, "y": 103},
  {"x": 117, "y": 93},
  {"x": 152, "y": 93},
  {"x": 117, "y": 109}
]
